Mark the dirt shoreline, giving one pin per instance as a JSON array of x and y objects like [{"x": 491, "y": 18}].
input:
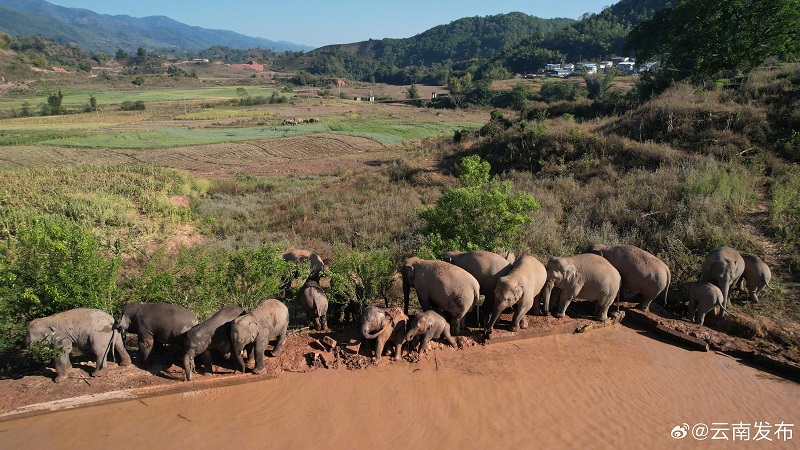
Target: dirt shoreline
[{"x": 304, "y": 352}]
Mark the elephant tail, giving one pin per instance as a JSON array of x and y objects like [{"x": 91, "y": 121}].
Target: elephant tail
[
  {"x": 722, "y": 305},
  {"x": 666, "y": 290}
]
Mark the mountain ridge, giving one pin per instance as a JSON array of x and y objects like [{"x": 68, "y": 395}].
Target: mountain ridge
[{"x": 107, "y": 33}]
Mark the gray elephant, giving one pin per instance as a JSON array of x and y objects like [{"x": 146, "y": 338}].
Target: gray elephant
[
  {"x": 315, "y": 303},
  {"x": 298, "y": 256},
  {"x": 383, "y": 325},
  {"x": 486, "y": 267},
  {"x": 641, "y": 271},
  {"x": 722, "y": 267},
  {"x": 156, "y": 322},
  {"x": 429, "y": 325},
  {"x": 88, "y": 329},
  {"x": 756, "y": 274},
  {"x": 267, "y": 322},
  {"x": 212, "y": 334},
  {"x": 587, "y": 276},
  {"x": 518, "y": 289},
  {"x": 450, "y": 287},
  {"x": 702, "y": 297},
  {"x": 507, "y": 254}
]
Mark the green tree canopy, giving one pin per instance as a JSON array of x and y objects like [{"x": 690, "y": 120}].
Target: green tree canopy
[
  {"x": 699, "y": 39},
  {"x": 481, "y": 214}
]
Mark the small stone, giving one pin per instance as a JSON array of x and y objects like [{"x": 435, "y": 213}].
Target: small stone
[{"x": 329, "y": 342}]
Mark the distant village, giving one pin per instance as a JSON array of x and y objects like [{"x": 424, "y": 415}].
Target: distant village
[{"x": 622, "y": 65}]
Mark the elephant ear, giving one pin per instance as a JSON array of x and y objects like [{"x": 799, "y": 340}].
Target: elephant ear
[
  {"x": 518, "y": 291},
  {"x": 408, "y": 270},
  {"x": 570, "y": 273},
  {"x": 397, "y": 315}
]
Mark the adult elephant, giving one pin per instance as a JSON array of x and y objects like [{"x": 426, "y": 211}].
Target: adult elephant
[
  {"x": 383, "y": 325},
  {"x": 156, "y": 322},
  {"x": 756, "y": 274},
  {"x": 518, "y": 289},
  {"x": 641, "y": 271},
  {"x": 486, "y": 267},
  {"x": 722, "y": 267},
  {"x": 267, "y": 322},
  {"x": 213, "y": 334},
  {"x": 450, "y": 287},
  {"x": 88, "y": 329},
  {"x": 587, "y": 276}
]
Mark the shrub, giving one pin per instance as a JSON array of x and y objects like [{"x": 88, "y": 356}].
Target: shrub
[
  {"x": 482, "y": 214},
  {"x": 128, "y": 105},
  {"x": 51, "y": 264},
  {"x": 357, "y": 279}
]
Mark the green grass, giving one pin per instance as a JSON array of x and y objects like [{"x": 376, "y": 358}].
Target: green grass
[
  {"x": 386, "y": 132},
  {"x": 221, "y": 113},
  {"x": 20, "y": 137},
  {"x": 80, "y": 97}
]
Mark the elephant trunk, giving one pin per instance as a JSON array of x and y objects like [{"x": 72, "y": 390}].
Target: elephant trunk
[
  {"x": 365, "y": 331},
  {"x": 546, "y": 291},
  {"x": 406, "y": 295},
  {"x": 187, "y": 365}
]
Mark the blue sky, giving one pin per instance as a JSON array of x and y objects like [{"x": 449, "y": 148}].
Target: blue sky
[{"x": 317, "y": 23}]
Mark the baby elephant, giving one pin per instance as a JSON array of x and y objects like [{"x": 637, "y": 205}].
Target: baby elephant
[
  {"x": 213, "y": 334},
  {"x": 156, "y": 322},
  {"x": 518, "y": 289},
  {"x": 88, "y": 329},
  {"x": 431, "y": 326},
  {"x": 315, "y": 303},
  {"x": 267, "y": 322},
  {"x": 756, "y": 274},
  {"x": 384, "y": 324},
  {"x": 703, "y": 297}
]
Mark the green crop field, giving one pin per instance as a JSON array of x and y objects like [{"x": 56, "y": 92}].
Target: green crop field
[
  {"x": 79, "y": 97},
  {"x": 385, "y": 132}
]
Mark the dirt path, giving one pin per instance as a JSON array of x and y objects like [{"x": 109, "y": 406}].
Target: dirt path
[{"x": 610, "y": 388}]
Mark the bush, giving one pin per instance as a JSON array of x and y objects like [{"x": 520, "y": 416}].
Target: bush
[
  {"x": 128, "y": 105},
  {"x": 51, "y": 264},
  {"x": 482, "y": 214},
  {"x": 357, "y": 279}
]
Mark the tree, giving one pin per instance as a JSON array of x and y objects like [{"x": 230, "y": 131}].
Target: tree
[
  {"x": 599, "y": 85},
  {"x": 481, "y": 214},
  {"x": 699, "y": 39},
  {"x": 412, "y": 91},
  {"x": 121, "y": 54}
]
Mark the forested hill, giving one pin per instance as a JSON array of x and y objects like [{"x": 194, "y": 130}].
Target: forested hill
[
  {"x": 105, "y": 33},
  {"x": 601, "y": 35},
  {"x": 463, "y": 39}
]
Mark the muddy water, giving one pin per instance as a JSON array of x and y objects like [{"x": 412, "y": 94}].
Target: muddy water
[{"x": 608, "y": 388}]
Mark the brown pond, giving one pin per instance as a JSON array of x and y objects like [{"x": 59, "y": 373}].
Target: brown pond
[{"x": 610, "y": 388}]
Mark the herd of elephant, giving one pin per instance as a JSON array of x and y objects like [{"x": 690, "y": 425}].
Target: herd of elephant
[{"x": 452, "y": 286}]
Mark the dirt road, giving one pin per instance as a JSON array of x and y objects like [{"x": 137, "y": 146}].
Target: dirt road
[{"x": 611, "y": 388}]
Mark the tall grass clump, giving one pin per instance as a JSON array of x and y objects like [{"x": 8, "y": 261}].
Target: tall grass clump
[{"x": 785, "y": 213}]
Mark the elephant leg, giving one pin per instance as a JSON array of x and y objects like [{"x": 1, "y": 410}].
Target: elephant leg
[
  {"x": 316, "y": 324},
  {"x": 448, "y": 337},
  {"x": 380, "y": 341},
  {"x": 276, "y": 350},
  {"x": 207, "y": 362},
  {"x": 487, "y": 309},
  {"x": 753, "y": 295},
  {"x": 258, "y": 353},
  {"x": 424, "y": 342},
  {"x": 119, "y": 347},
  {"x": 563, "y": 303},
  {"x": 602, "y": 307},
  {"x": 146, "y": 343},
  {"x": 491, "y": 323},
  {"x": 701, "y": 316},
  {"x": 398, "y": 348},
  {"x": 324, "y": 322},
  {"x": 100, "y": 350},
  {"x": 63, "y": 365},
  {"x": 645, "y": 305},
  {"x": 519, "y": 317}
]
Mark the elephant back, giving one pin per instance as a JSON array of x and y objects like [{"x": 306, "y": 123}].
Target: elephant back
[
  {"x": 272, "y": 313},
  {"x": 220, "y": 318},
  {"x": 167, "y": 322}
]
